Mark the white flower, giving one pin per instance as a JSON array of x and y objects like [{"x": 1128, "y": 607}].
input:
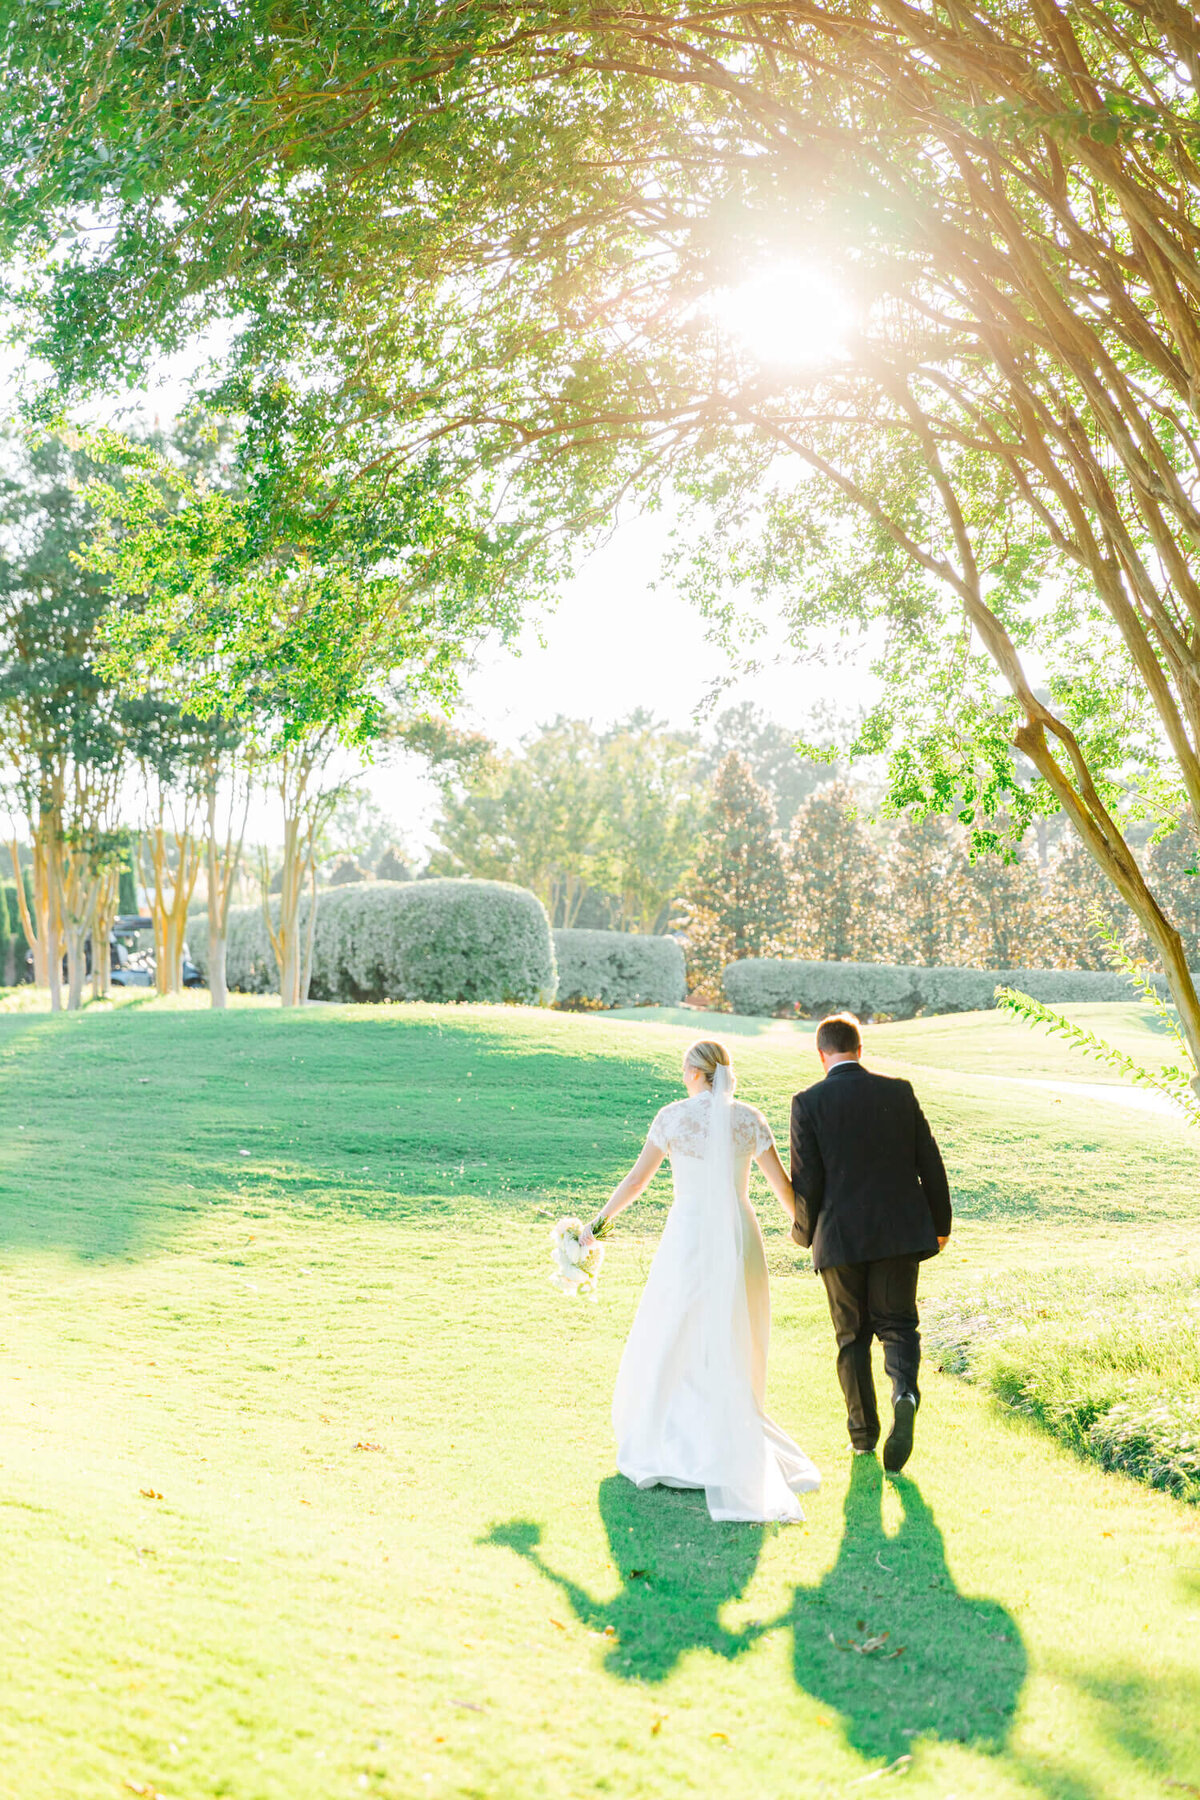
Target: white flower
[{"x": 573, "y": 1270}]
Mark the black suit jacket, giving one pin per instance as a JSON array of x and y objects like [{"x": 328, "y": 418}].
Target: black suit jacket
[{"x": 867, "y": 1174}]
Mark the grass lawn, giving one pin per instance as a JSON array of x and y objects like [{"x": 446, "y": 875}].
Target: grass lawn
[{"x": 306, "y": 1472}]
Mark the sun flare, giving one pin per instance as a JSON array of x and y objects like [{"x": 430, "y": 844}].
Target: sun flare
[{"x": 788, "y": 316}]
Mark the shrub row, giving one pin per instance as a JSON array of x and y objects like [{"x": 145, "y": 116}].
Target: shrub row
[
  {"x": 766, "y": 986},
  {"x": 1110, "y": 1365},
  {"x": 406, "y": 940},
  {"x": 618, "y": 968}
]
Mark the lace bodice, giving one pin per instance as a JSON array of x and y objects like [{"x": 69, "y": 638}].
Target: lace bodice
[{"x": 681, "y": 1129}]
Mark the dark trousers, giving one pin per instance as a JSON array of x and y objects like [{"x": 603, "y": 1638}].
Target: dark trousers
[{"x": 869, "y": 1300}]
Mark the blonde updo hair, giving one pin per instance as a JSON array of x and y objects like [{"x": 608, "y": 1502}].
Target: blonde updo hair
[{"x": 707, "y": 1055}]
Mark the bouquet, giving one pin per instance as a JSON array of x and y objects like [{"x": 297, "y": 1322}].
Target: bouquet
[{"x": 574, "y": 1271}]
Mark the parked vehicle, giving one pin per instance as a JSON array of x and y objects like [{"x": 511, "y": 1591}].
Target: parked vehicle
[
  {"x": 129, "y": 966},
  {"x": 136, "y": 969}
]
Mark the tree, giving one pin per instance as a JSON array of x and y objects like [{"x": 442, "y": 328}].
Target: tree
[
  {"x": 737, "y": 896},
  {"x": 1077, "y": 896},
  {"x": 769, "y": 751},
  {"x": 393, "y": 865},
  {"x": 1008, "y": 197},
  {"x": 835, "y": 881},
  {"x": 1173, "y": 871},
  {"x": 359, "y": 832},
  {"x": 653, "y": 800},
  {"x": 1003, "y": 911},
  {"x": 326, "y": 655},
  {"x": 606, "y": 821},
  {"x": 533, "y": 817},
  {"x": 62, "y": 721},
  {"x": 346, "y": 871},
  {"x": 925, "y": 918},
  {"x": 195, "y": 772}
]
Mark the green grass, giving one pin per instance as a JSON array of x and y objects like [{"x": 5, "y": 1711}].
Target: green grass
[
  {"x": 975, "y": 1043},
  {"x": 996, "y": 1043},
  {"x": 390, "y": 1555}
]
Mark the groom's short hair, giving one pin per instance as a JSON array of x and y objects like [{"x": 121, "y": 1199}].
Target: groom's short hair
[{"x": 839, "y": 1035}]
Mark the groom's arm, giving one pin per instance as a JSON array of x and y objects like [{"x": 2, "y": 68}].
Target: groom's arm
[
  {"x": 808, "y": 1174},
  {"x": 932, "y": 1171}
]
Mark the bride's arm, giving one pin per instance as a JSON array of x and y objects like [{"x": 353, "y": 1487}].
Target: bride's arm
[
  {"x": 627, "y": 1191},
  {"x": 781, "y": 1187}
]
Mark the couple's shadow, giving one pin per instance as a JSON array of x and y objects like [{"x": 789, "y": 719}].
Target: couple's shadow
[{"x": 885, "y": 1638}]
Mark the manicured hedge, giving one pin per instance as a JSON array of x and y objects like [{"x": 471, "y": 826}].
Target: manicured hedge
[
  {"x": 407, "y": 940},
  {"x": 618, "y": 968},
  {"x": 13, "y": 942},
  {"x": 766, "y": 986}
]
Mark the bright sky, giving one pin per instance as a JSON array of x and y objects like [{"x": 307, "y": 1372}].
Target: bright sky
[{"x": 620, "y": 639}]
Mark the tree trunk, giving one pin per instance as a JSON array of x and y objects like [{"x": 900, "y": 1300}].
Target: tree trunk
[
  {"x": 221, "y": 867},
  {"x": 1086, "y": 811},
  {"x": 303, "y": 812},
  {"x": 170, "y": 894},
  {"x": 51, "y": 921},
  {"x": 310, "y": 928},
  {"x": 289, "y": 915},
  {"x": 75, "y": 967},
  {"x": 218, "y": 948},
  {"x": 105, "y": 911},
  {"x": 40, "y": 918},
  {"x": 285, "y": 934}
]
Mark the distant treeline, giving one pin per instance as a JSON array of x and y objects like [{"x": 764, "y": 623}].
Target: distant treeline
[{"x": 747, "y": 848}]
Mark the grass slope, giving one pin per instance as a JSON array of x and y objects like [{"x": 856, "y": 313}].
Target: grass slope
[{"x": 306, "y": 1473}]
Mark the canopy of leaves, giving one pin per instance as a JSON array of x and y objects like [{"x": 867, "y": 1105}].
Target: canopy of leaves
[
  {"x": 56, "y": 708},
  {"x": 469, "y": 249},
  {"x": 480, "y": 236},
  {"x": 738, "y": 892},
  {"x": 603, "y": 825}
]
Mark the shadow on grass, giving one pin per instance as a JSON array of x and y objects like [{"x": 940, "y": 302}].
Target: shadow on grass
[
  {"x": 122, "y": 1125},
  {"x": 691, "y": 1019},
  {"x": 122, "y": 1122},
  {"x": 1152, "y": 1724},
  {"x": 885, "y": 1638},
  {"x": 889, "y": 1642},
  {"x": 677, "y": 1571}
]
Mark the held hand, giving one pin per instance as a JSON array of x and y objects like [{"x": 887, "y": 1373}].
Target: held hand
[{"x": 586, "y": 1238}]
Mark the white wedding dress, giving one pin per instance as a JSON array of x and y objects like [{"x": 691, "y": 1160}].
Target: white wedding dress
[{"x": 689, "y": 1403}]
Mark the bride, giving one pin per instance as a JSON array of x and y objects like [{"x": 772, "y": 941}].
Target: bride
[{"x": 688, "y": 1406}]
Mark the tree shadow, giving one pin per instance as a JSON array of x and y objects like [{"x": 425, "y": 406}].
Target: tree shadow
[
  {"x": 1156, "y": 1725},
  {"x": 1149, "y": 1726},
  {"x": 731, "y": 1024},
  {"x": 889, "y": 1642},
  {"x": 677, "y": 1569},
  {"x": 125, "y": 1122}
]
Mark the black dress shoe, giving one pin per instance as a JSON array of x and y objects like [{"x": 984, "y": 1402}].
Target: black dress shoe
[{"x": 898, "y": 1447}]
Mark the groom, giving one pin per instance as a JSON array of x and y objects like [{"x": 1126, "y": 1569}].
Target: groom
[{"x": 873, "y": 1201}]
